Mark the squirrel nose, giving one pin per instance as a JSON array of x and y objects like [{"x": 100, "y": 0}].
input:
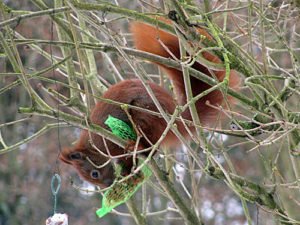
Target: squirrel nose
[{"x": 108, "y": 182}]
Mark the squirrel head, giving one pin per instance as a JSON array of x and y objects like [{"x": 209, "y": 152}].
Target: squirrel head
[{"x": 90, "y": 165}]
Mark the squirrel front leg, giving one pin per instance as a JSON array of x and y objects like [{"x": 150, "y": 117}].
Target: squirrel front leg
[{"x": 129, "y": 162}]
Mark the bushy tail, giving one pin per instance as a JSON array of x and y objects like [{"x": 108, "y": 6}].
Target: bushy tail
[{"x": 150, "y": 39}]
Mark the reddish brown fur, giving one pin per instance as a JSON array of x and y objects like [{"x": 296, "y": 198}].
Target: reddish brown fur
[
  {"x": 146, "y": 39},
  {"x": 134, "y": 93}
]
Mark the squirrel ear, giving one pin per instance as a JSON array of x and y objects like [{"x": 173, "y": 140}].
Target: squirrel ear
[
  {"x": 69, "y": 155},
  {"x": 75, "y": 156},
  {"x": 64, "y": 155}
]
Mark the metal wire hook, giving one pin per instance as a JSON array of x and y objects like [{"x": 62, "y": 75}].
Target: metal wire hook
[{"x": 55, "y": 186}]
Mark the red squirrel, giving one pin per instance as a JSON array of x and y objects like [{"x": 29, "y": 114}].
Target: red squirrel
[{"x": 91, "y": 154}]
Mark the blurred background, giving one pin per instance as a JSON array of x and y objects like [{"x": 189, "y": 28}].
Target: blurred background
[{"x": 26, "y": 171}]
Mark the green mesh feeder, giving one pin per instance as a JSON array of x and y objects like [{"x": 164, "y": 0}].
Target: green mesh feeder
[
  {"x": 120, "y": 192},
  {"x": 120, "y": 128}
]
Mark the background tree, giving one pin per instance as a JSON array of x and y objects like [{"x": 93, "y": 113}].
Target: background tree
[{"x": 58, "y": 57}]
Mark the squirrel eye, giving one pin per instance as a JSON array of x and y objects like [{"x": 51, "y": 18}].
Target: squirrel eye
[{"x": 95, "y": 174}]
